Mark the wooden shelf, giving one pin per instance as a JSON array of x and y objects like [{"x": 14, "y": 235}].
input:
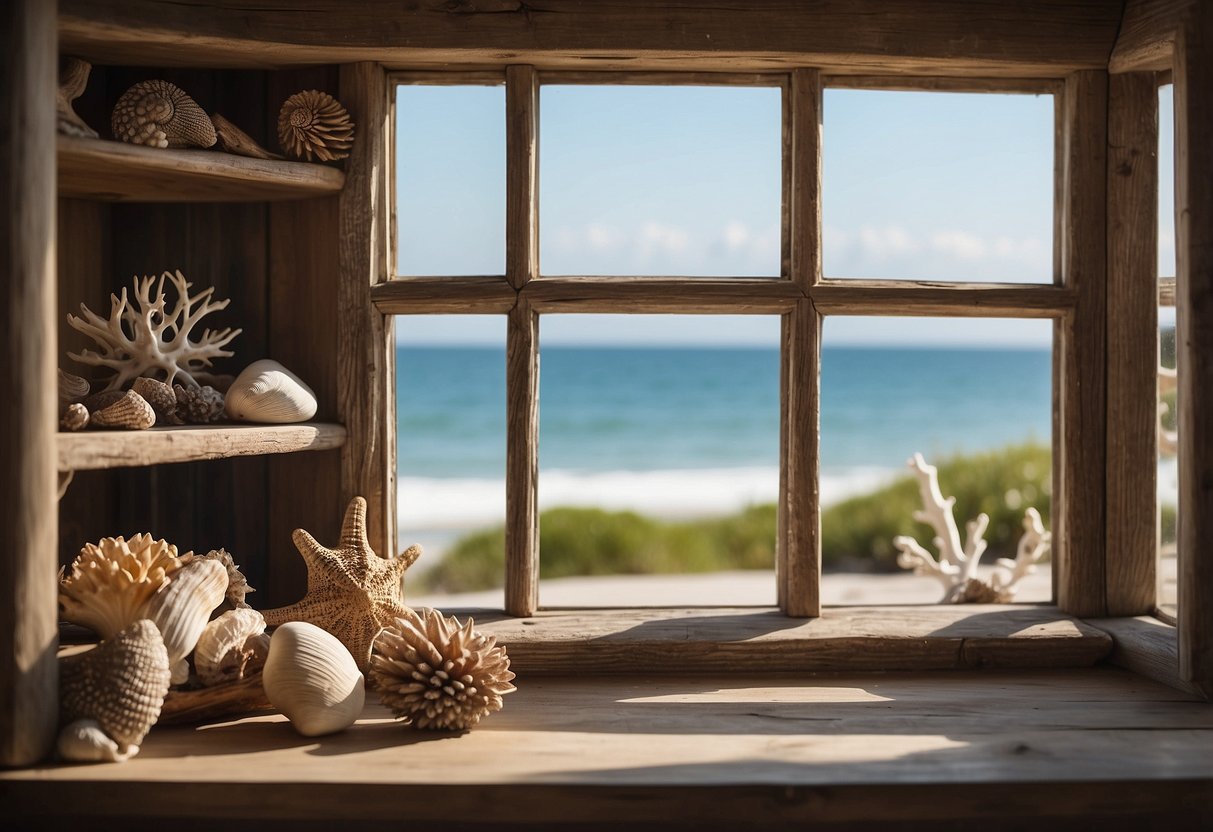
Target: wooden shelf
[
  {"x": 117, "y": 172},
  {"x": 93, "y": 449}
]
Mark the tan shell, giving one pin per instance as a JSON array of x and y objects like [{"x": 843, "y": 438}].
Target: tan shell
[
  {"x": 237, "y": 584},
  {"x": 159, "y": 114},
  {"x": 313, "y": 679},
  {"x": 130, "y": 411},
  {"x": 111, "y": 582},
  {"x": 120, "y": 683},
  {"x": 75, "y": 417},
  {"x": 71, "y": 388},
  {"x": 84, "y": 741},
  {"x": 268, "y": 392},
  {"x": 182, "y": 610},
  {"x": 199, "y": 405},
  {"x": 436, "y": 673},
  {"x": 160, "y": 396},
  {"x": 313, "y": 125},
  {"x": 231, "y": 647}
]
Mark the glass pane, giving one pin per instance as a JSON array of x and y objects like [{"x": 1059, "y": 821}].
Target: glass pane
[
  {"x": 1166, "y": 181},
  {"x": 450, "y": 408},
  {"x": 1168, "y": 470},
  {"x": 974, "y": 397},
  {"x": 937, "y": 186},
  {"x": 658, "y": 461},
  {"x": 638, "y": 180},
  {"x": 450, "y": 180}
]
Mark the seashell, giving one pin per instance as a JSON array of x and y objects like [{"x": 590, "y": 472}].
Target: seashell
[
  {"x": 237, "y": 584},
  {"x": 130, "y": 411},
  {"x": 120, "y": 684},
  {"x": 159, "y": 114},
  {"x": 73, "y": 78},
  {"x": 75, "y": 417},
  {"x": 312, "y": 678},
  {"x": 436, "y": 673},
  {"x": 160, "y": 396},
  {"x": 83, "y": 741},
  {"x": 314, "y": 125},
  {"x": 111, "y": 582},
  {"x": 268, "y": 392},
  {"x": 231, "y": 647},
  {"x": 234, "y": 140},
  {"x": 71, "y": 388},
  {"x": 182, "y": 609},
  {"x": 198, "y": 405}
]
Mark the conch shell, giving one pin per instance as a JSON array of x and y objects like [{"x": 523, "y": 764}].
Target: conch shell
[
  {"x": 182, "y": 609},
  {"x": 231, "y": 647},
  {"x": 111, "y": 582},
  {"x": 120, "y": 685},
  {"x": 159, "y": 114},
  {"x": 313, "y": 125},
  {"x": 312, "y": 678},
  {"x": 130, "y": 411},
  {"x": 268, "y": 392}
]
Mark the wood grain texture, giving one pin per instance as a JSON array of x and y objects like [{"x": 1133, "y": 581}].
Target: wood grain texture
[
  {"x": 1080, "y": 446},
  {"x": 1146, "y": 40},
  {"x": 99, "y": 449},
  {"x": 635, "y": 77},
  {"x": 1146, "y": 646},
  {"x": 117, "y": 172},
  {"x": 847, "y": 296},
  {"x": 671, "y": 295},
  {"x": 1132, "y": 449},
  {"x": 804, "y": 208},
  {"x": 365, "y": 345},
  {"x": 28, "y": 534},
  {"x": 799, "y": 554},
  {"x": 1194, "y": 341},
  {"x": 1029, "y": 86},
  {"x": 444, "y": 296},
  {"x": 522, "y": 461},
  {"x": 521, "y": 175},
  {"x": 1028, "y": 38}
]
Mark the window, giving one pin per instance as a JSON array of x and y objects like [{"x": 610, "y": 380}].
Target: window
[
  {"x": 563, "y": 257},
  {"x": 1168, "y": 381}
]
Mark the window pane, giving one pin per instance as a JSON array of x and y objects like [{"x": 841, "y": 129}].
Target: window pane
[
  {"x": 450, "y": 408},
  {"x": 937, "y": 186},
  {"x": 974, "y": 397},
  {"x": 1168, "y": 470},
  {"x": 639, "y": 180},
  {"x": 450, "y": 180},
  {"x": 1166, "y": 181}
]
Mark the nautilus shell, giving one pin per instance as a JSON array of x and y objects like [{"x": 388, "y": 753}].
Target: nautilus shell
[
  {"x": 159, "y": 114},
  {"x": 313, "y": 125}
]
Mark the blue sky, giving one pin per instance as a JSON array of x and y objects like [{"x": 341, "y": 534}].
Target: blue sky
[{"x": 686, "y": 181}]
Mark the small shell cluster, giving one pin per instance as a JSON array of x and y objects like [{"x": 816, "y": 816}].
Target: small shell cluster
[
  {"x": 311, "y": 677},
  {"x": 436, "y": 673},
  {"x": 313, "y": 125},
  {"x": 268, "y": 392},
  {"x": 159, "y": 114},
  {"x": 73, "y": 415}
]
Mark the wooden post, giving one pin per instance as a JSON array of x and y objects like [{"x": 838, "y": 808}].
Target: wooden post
[
  {"x": 1194, "y": 342},
  {"x": 799, "y": 559},
  {"x": 366, "y": 348},
  {"x": 1132, "y": 441},
  {"x": 1081, "y": 386},
  {"x": 28, "y": 423}
]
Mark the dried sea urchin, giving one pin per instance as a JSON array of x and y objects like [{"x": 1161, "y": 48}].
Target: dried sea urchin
[
  {"x": 436, "y": 673},
  {"x": 314, "y": 125}
]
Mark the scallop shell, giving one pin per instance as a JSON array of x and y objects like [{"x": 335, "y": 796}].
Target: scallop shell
[
  {"x": 71, "y": 388},
  {"x": 312, "y": 678},
  {"x": 75, "y": 417},
  {"x": 268, "y": 392},
  {"x": 182, "y": 610},
  {"x": 130, "y": 411},
  {"x": 160, "y": 396},
  {"x": 111, "y": 582},
  {"x": 231, "y": 647},
  {"x": 313, "y": 125},
  {"x": 120, "y": 683},
  {"x": 159, "y": 114}
]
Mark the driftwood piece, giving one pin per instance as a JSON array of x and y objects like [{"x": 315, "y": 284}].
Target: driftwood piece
[
  {"x": 73, "y": 78},
  {"x": 185, "y": 707},
  {"x": 234, "y": 140}
]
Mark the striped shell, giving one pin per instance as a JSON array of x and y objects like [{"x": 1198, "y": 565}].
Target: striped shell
[
  {"x": 130, "y": 411},
  {"x": 182, "y": 609},
  {"x": 268, "y": 392},
  {"x": 71, "y": 388},
  {"x": 313, "y": 125},
  {"x": 311, "y": 677},
  {"x": 121, "y": 683},
  {"x": 160, "y": 114}
]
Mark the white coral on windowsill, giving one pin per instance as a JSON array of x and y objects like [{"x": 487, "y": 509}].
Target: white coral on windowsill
[{"x": 146, "y": 339}]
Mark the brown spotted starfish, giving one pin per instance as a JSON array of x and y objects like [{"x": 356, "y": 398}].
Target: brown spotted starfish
[{"x": 351, "y": 591}]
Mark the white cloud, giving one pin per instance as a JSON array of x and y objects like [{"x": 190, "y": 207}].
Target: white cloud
[
  {"x": 946, "y": 254},
  {"x": 655, "y": 247},
  {"x": 958, "y": 244}
]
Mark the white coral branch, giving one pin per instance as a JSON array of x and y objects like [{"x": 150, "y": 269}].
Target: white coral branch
[
  {"x": 1033, "y": 545},
  {"x": 143, "y": 339},
  {"x": 937, "y": 513}
]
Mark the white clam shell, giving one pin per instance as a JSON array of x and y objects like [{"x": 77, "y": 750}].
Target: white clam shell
[
  {"x": 181, "y": 610},
  {"x": 268, "y": 392},
  {"x": 312, "y": 679},
  {"x": 83, "y": 741},
  {"x": 223, "y": 651}
]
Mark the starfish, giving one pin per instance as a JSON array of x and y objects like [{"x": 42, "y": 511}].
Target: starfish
[{"x": 351, "y": 591}]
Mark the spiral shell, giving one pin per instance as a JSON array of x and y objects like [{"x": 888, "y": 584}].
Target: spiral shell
[
  {"x": 313, "y": 125},
  {"x": 268, "y": 392},
  {"x": 120, "y": 683},
  {"x": 312, "y": 678},
  {"x": 130, "y": 411},
  {"x": 159, "y": 114},
  {"x": 75, "y": 417},
  {"x": 182, "y": 609},
  {"x": 111, "y": 582}
]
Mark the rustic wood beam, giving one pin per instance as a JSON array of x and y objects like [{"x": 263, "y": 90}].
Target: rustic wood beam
[
  {"x": 846, "y": 296},
  {"x": 522, "y": 461},
  {"x": 1146, "y": 40},
  {"x": 658, "y": 295},
  {"x": 444, "y": 296}
]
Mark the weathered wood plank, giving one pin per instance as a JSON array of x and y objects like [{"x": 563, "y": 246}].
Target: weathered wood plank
[
  {"x": 1132, "y": 439},
  {"x": 1029, "y": 86},
  {"x": 688, "y": 295},
  {"x": 522, "y": 461},
  {"x": 1146, "y": 646},
  {"x": 444, "y": 296},
  {"x": 521, "y": 175},
  {"x": 1146, "y": 40},
  {"x": 28, "y": 533},
  {"x": 907, "y": 297}
]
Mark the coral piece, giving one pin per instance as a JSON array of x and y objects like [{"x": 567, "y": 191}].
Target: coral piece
[
  {"x": 73, "y": 78},
  {"x": 111, "y": 582},
  {"x": 234, "y": 140},
  {"x": 313, "y": 680},
  {"x": 161, "y": 397},
  {"x": 148, "y": 338},
  {"x": 159, "y": 114},
  {"x": 231, "y": 647},
  {"x": 71, "y": 389},
  {"x": 198, "y": 405},
  {"x": 956, "y": 567},
  {"x": 181, "y": 610},
  {"x": 313, "y": 125},
  {"x": 436, "y": 673},
  {"x": 130, "y": 411},
  {"x": 75, "y": 417},
  {"x": 120, "y": 683},
  {"x": 237, "y": 584},
  {"x": 268, "y": 392},
  {"x": 351, "y": 591}
]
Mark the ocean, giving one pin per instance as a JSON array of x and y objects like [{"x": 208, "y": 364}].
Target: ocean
[{"x": 683, "y": 431}]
